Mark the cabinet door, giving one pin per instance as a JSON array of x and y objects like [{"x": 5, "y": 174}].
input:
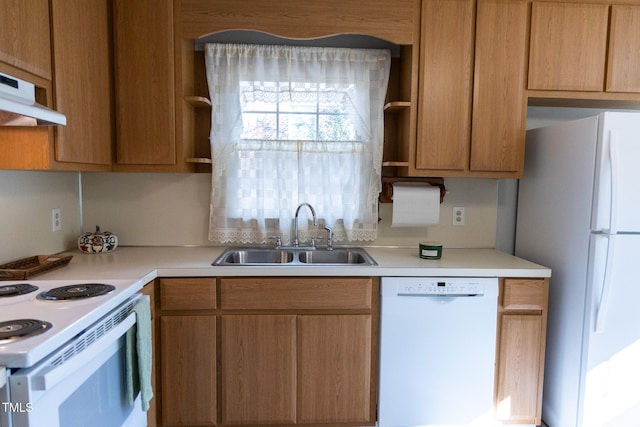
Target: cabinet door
[
  {"x": 258, "y": 369},
  {"x": 444, "y": 123},
  {"x": 83, "y": 80},
  {"x": 568, "y": 46},
  {"x": 25, "y": 40},
  {"x": 144, "y": 79},
  {"x": 334, "y": 369},
  {"x": 499, "y": 101},
  {"x": 188, "y": 364},
  {"x": 623, "y": 73},
  {"x": 518, "y": 370},
  {"x": 522, "y": 326}
]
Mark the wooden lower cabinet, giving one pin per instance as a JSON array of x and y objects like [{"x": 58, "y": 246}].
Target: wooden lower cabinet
[
  {"x": 186, "y": 352},
  {"x": 304, "y": 351},
  {"x": 334, "y": 368},
  {"x": 268, "y": 351},
  {"x": 188, "y": 370},
  {"x": 522, "y": 323},
  {"x": 258, "y": 369},
  {"x": 296, "y": 369}
]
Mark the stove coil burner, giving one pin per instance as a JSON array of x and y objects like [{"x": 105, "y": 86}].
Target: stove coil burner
[
  {"x": 72, "y": 292},
  {"x": 15, "y": 290},
  {"x": 13, "y": 330}
]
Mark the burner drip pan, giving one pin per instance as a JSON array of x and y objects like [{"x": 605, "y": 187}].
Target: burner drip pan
[
  {"x": 15, "y": 290},
  {"x": 72, "y": 292},
  {"x": 13, "y": 330}
]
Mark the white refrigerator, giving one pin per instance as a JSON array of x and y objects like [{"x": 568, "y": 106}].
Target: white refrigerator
[{"x": 579, "y": 214}]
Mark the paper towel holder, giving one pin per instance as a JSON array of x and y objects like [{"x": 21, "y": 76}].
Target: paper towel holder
[{"x": 386, "y": 196}]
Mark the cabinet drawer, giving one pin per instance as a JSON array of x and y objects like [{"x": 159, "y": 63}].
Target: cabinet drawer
[
  {"x": 188, "y": 294},
  {"x": 525, "y": 294},
  {"x": 279, "y": 293}
]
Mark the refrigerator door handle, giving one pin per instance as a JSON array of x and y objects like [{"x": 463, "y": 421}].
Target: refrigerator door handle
[
  {"x": 601, "y": 309},
  {"x": 613, "y": 156}
]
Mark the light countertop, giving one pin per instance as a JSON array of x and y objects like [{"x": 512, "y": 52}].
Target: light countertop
[{"x": 147, "y": 263}]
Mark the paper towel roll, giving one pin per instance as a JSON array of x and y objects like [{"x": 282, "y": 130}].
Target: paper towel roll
[{"x": 415, "y": 204}]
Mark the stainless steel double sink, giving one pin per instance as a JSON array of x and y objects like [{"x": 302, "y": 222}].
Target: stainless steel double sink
[{"x": 246, "y": 256}]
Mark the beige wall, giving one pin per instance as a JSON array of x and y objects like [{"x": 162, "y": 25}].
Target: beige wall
[
  {"x": 170, "y": 209},
  {"x": 26, "y": 200},
  {"x": 173, "y": 209}
]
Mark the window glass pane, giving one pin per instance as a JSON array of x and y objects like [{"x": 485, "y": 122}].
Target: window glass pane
[
  {"x": 336, "y": 127},
  {"x": 259, "y": 126},
  {"x": 297, "y": 126}
]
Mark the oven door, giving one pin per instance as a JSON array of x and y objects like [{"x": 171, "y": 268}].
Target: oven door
[{"x": 88, "y": 389}]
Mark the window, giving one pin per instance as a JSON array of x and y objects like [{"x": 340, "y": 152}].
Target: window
[
  {"x": 299, "y": 110},
  {"x": 293, "y": 125}
]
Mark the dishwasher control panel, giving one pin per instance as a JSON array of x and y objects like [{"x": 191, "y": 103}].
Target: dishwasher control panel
[{"x": 440, "y": 286}]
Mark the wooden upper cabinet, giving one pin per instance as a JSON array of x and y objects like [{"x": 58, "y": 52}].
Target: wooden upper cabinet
[
  {"x": 472, "y": 103},
  {"x": 395, "y": 21},
  {"x": 568, "y": 46},
  {"x": 77, "y": 36},
  {"x": 83, "y": 80},
  {"x": 446, "y": 69},
  {"x": 144, "y": 79},
  {"x": 499, "y": 99},
  {"x": 25, "y": 36},
  {"x": 623, "y": 69}
]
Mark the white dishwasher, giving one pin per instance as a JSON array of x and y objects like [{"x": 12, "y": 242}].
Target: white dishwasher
[{"x": 437, "y": 351}]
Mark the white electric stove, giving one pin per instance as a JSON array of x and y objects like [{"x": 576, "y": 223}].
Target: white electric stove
[
  {"x": 63, "y": 353},
  {"x": 67, "y": 317}
]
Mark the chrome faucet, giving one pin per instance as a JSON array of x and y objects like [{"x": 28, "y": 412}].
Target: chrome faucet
[
  {"x": 329, "y": 237},
  {"x": 296, "y": 242}
]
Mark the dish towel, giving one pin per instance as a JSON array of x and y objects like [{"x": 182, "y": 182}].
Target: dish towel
[{"x": 139, "y": 355}]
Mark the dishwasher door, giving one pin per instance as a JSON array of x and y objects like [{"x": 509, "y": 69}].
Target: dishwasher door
[{"x": 437, "y": 351}]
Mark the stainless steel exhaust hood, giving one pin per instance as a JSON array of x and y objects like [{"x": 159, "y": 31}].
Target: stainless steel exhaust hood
[{"x": 18, "y": 106}]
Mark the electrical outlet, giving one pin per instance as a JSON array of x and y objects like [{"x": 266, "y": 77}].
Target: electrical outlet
[
  {"x": 56, "y": 220},
  {"x": 458, "y": 215}
]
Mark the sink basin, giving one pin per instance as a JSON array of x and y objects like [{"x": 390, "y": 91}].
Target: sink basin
[
  {"x": 294, "y": 256},
  {"x": 336, "y": 256},
  {"x": 252, "y": 256}
]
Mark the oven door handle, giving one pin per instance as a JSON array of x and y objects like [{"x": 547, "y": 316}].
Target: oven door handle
[{"x": 50, "y": 377}]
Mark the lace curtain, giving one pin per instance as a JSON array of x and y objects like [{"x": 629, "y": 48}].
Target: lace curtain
[{"x": 293, "y": 125}]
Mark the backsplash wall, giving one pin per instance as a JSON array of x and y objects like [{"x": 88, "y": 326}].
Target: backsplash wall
[
  {"x": 26, "y": 201},
  {"x": 173, "y": 209}
]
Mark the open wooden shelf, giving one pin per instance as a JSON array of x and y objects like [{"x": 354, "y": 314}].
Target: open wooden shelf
[
  {"x": 394, "y": 163},
  {"x": 198, "y": 101},
  {"x": 396, "y": 105},
  {"x": 201, "y": 160}
]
